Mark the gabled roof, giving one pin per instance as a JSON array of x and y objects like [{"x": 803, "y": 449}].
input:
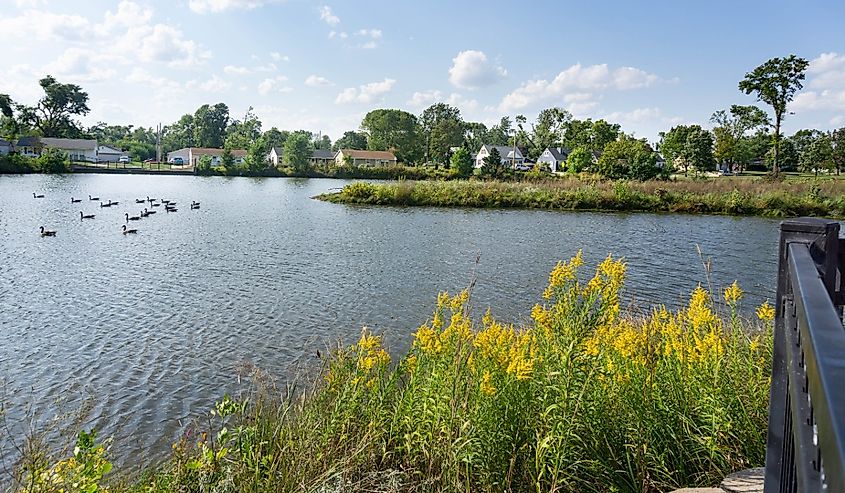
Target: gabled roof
[
  {"x": 4, "y": 142},
  {"x": 31, "y": 141},
  {"x": 277, "y": 150},
  {"x": 109, "y": 150},
  {"x": 504, "y": 151},
  {"x": 323, "y": 154},
  {"x": 559, "y": 153},
  {"x": 356, "y": 154},
  {"x": 76, "y": 144}
]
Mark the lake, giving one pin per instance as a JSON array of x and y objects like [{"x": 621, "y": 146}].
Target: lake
[{"x": 151, "y": 329}]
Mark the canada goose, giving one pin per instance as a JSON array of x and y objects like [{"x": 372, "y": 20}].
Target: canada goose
[
  {"x": 85, "y": 216},
  {"x": 106, "y": 205},
  {"x": 93, "y": 198},
  {"x": 171, "y": 209},
  {"x": 155, "y": 205},
  {"x": 195, "y": 205},
  {"x": 46, "y": 232},
  {"x": 139, "y": 201},
  {"x": 133, "y": 218},
  {"x": 129, "y": 231},
  {"x": 73, "y": 200},
  {"x": 148, "y": 212},
  {"x": 144, "y": 214},
  {"x": 37, "y": 196},
  {"x": 150, "y": 200}
]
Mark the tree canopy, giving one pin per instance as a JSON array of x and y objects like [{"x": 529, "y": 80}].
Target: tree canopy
[{"x": 394, "y": 130}]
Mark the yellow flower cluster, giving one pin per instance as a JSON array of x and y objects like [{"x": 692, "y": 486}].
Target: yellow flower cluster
[
  {"x": 699, "y": 314},
  {"x": 733, "y": 294},
  {"x": 508, "y": 350},
  {"x": 563, "y": 274},
  {"x": 487, "y": 384},
  {"x": 766, "y": 312},
  {"x": 371, "y": 354},
  {"x": 431, "y": 339}
]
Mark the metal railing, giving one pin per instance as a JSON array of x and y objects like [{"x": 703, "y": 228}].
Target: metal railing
[{"x": 805, "y": 451}]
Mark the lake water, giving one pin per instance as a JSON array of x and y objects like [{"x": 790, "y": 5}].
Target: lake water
[{"x": 151, "y": 328}]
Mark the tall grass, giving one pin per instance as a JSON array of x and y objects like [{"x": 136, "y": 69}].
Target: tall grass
[
  {"x": 585, "y": 398},
  {"x": 723, "y": 196}
]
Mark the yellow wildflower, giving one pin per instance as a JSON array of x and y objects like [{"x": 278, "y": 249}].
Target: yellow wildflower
[
  {"x": 487, "y": 384},
  {"x": 699, "y": 313},
  {"x": 733, "y": 294},
  {"x": 428, "y": 340},
  {"x": 563, "y": 273},
  {"x": 766, "y": 312}
]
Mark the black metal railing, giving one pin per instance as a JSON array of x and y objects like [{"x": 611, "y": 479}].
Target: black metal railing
[{"x": 805, "y": 451}]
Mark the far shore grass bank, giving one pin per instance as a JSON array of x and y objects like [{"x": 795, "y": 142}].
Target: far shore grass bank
[
  {"x": 724, "y": 195},
  {"x": 586, "y": 396}
]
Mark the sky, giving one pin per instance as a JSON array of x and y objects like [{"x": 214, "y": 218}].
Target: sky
[{"x": 321, "y": 65}]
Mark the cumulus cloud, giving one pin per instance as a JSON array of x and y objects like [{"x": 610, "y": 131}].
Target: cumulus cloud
[
  {"x": 366, "y": 93},
  {"x": 369, "y": 33},
  {"x": 826, "y": 81},
  {"x": 214, "y": 84},
  {"x": 164, "y": 43},
  {"x": 215, "y": 6},
  {"x": 328, "y": 17},
  {"x": 276, "y": 56},
  {"x": 580, "y": 79},
  {"x": 420, "y": 99},
  {"x": 50, "y": 26},
  {"x": 82, "y": 65},
  {"x": 335, "y": 34},
  {"x": 317, "y": 81},
  {"x": 235, "y": 70},
  {"x": 128, "y": 14},
  {"x": 275, "y": 84},
  {"x": 471, "y": 70},
  {"x": 638, "y": 116}
]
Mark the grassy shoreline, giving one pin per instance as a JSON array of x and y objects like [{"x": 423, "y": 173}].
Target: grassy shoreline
[
  {"x": 724, "y": 196},
  {"x": 585, "y": 397}
]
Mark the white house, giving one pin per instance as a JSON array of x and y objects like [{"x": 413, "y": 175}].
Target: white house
[
  {"x": 554, "y": 158},
  {"x": 75, "y": 149},
  {"x": 275, "y": 156},
  {"x": 108, "y": 154},
  {"x": 322, "y": 157},
  {"x": 364, "y": 158},
  {"x": 192, "y": 155},
  {"x": 5, "y": 147},
  {"x": 507, "y": 153}
]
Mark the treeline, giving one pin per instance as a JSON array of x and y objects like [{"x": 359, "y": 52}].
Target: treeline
[{"x": 743, "y": 137}]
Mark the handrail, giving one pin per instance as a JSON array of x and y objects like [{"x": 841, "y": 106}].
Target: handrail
[{"x": 806, "y": 437}]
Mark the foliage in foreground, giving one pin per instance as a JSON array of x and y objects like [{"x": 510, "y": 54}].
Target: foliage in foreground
[
  {"x": 585, "y": 398},
  {"x": 740, "y": 197}
]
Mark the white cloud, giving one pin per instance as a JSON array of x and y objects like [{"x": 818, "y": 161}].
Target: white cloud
[
  {"x": 369, "y": 33},
  {"x": 426, "y": 98},
  {"x": 214, "y": 84},
  {"x": 827, "y": 81},
  {"x": 471, "y": 70},
  {"x": 639, "y": 116},
  {"x": 577, "y": 78},
  {"x": 164, "y": 43},
  {"x": 317, "y": 81},
  {"x": 128, "y": 14},
  {"x": 335, "y": 34},
  {"x": 276, "y": 84},
  {"x": 235, "y": 70},
  {"x": 82, "y": 65},
  {"x": 23, "y": 4},
  {"x": 837, "y": 120},
  {"x": 328, "y": 17},
  {"x": 49, "y": 26},
  {"x": 366, "y": 93},
  {"x": 215, "y": 6},
  {"x": 267, "y": 67},
  {"x": 279, "y": 57}
]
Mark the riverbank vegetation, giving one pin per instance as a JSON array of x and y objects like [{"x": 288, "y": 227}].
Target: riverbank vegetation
[
  {"x": 735, "y": 196},
  {"x": 588, "y": 396}
]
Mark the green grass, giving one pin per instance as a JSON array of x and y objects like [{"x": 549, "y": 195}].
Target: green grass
[
  {"x": 584, "y": 398},
  {"x": 734, "y": 196}
]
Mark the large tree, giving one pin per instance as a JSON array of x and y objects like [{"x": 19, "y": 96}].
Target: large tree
[
  {"x": 394, "y": 130},
  {"x": 628, "y": 158},
  {"x": 297, "y": 152},
  {"x": 210, "y": 123},
  {"x": 179, "y": 134},
  {"x": 53, "y": 114},
  {"x": 592, "y": 135},
  {"x": 241, "y": 134},
  {"x": 475, "y": 136},
  {"x": 731, "y": 132},
  {"x": 500, "y": 134},
  {"x": 688, "y": 146},
  {"x": 837, "y": 138},
  {"x": 442, "y": 128},
  {"x": 817, "y": 154},
  {"x": 548, "y": 130},
  {"x": 775, "y": 83},
  {"x": 351, "y": 140},
  {"x": 492, "y": 166},
  {"x": 461, "y": 162}
]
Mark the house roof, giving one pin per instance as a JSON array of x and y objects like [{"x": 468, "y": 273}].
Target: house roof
[
  {"x": 31, "y": 141},
  {"x": 277, "y": 150},
  {"x": 504, "y": 151},
  {"x": 4, "y": 142},
  {"x": 109, "y": 150},
  {"x": 355, "y": 154},
  {"x": 80, "y": 144},
  {"x": 559, "y": 153},
  {"x": 323, "y": 154}
]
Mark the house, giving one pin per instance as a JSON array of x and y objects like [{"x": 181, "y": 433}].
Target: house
[
  {"x": 192, "y": 155},
  {"x": 364, "y": 158},
  {"x": 275, "y": 156},
  {"x": 506, "y": 152},
  {"x": 554, "y": 158},
  {"x": 5, "y": 147},
  {"x": 322, "y": 157},
  {"x": 75, "y": 149},
  {"x": 108, "y": 154}
]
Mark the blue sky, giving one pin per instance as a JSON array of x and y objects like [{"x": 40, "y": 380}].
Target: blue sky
[{"x": 322, "y": 65}]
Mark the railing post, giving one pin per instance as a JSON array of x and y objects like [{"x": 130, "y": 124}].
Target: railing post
[{"x": 822, "y": 237}]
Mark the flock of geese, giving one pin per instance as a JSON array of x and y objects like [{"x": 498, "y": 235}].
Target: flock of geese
[{"x": 169, "y": 206}]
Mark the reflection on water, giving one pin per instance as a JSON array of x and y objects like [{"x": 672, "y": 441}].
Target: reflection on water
[{"x": 153, "y": 326}]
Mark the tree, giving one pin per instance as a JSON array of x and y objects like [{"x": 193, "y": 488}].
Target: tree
[
  {"x": 297, "y": 152},
  {"x": 688, "y": 146},
  {"x": 593, "y": 136},
  {"x": 475, "y": 135},
  {"x": 461, "y": 163},
  {"x": 492, "y": 166},
  {"x": 548, "y": 131},
  {"x": 228, "y": 160},
  {"x": 257, "y": 158},
  {"x": 210, "y": 123},
  {"x": 499, "y": 134},
  {"x": 818, "y": 155},
  {"x": 394, "y": 130},
  {"x": 204, "y": 164},
  {"x": 52, "y": 161},
  {"x": 275, "y": 138},
  {"x": 323, "y": 142},
  {"x": 776, "y": 83},
  {"x": 351, "y": 140},
  {"x": 579, "y": 159},
  {"x": 733, "y": 127},
  {"x": 837, "y": 139},
  {"x": 53, "y": 114},
  {"x": 241, "y": 134},
  {"x": 442, "y": 129},
  {"x": 628, "y": 158}
]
